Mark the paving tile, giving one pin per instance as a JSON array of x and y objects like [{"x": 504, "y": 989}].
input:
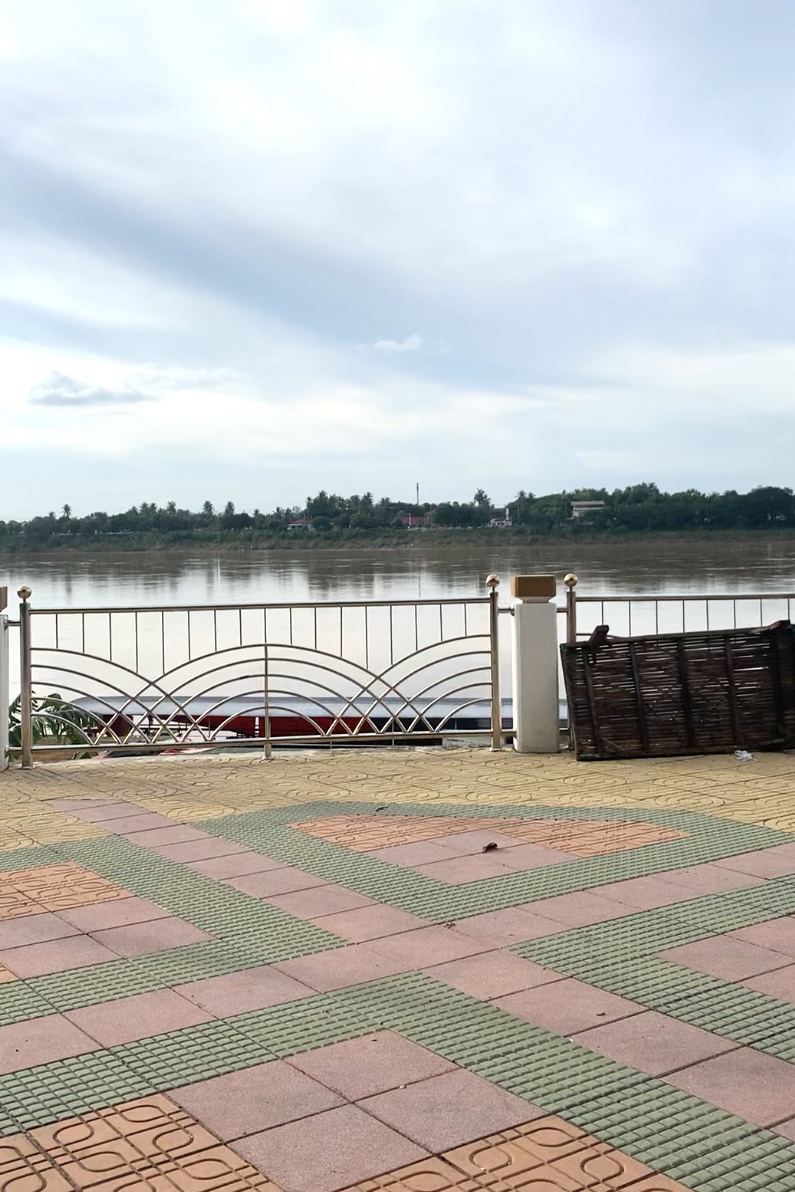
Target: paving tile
[
  {"x": 725, "y": 957},
  {"x": 709, "y": 878},
  {"x": 755, "y": 1086},
  {"x": 175, "y": 834},
  {"x": 275, "y": 881},
  {"x": 155, "y": 935},
  {"x": 76, "y": 805},
  {"x": 370, "y": 1064},
  {"x": 780, "y": 984},
  {"x": 55, "y": 956},
  {"x": 457, "y": 871},
  {"x": 786, "y": 1128},
  {"x": 319, "y": 900},
  {"x": 492, "y": 974},
  {"x": 500, "y": 929},
  {"x": 150, "y": 1143},
  {"x": 579, "y": 909},
  {"x": 40, "y": 1041},
  {"x": 765, "y": 862},
  {"x": 61, "y": 886},
  {"x": 118, "y": 913},
  {"x": 14, "y": 905},
  {"x": 34, "y": 929},
  {"x": 328, "y": 1152},
  {"x": 198, "y": 850},
  {"x": 412, "y": 855},
  {"x": 776, "y": 934},
  {"x": 369, "y": 922},
  {"x": 97, "y": 812},
  {"x": 235, "y": 864},
  {"x": 428, "y": 945},
  {"x": 446, "y": 1111},
  {"x": 254, "y": 1099},
  {"x": 645, "y": 893},
  {"x": 654, "y": 1042},
  {"x": 567, "y": 1006},
  {"x": 237, "y": 993},
  {"x": 343, "y": 966},
  {"x": 137, "y": 1017},
  {"x": 468, "y": 844},
  {"x": 139, "y": 821},
  {"x": 531, "y": 856}
]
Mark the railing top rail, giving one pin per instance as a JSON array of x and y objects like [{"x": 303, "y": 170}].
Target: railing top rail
[
  {"x": 286, "y": 605},
  {"x": 668, "y": 597}
]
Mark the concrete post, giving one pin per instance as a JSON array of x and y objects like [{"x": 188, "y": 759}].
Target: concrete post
[
  {"x": 535, "y": 664},
  {"x": 4, "y": 679}
]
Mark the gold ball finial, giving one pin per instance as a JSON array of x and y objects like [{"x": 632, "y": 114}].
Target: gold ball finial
[
  {"x": 570, "y": 580},
  {"x": 492, "y": 581},
  {"x": 24, "y": 592}
]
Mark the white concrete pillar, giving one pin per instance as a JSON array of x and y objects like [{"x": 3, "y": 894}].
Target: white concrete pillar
[{"x": 535, "y": 664}]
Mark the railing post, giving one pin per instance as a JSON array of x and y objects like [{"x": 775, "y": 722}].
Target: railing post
[
  {"x": 493, "y": 584},
  {"x": 570, "y": 581},
  {"x": 26, "y": 678},
  {"x": 4, "y": 677},
  {"x": 268, "y": 751},
  {"x": 536, "y": 707}
]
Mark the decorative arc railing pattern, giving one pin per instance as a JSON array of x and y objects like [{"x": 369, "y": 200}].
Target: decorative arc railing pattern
[{"x": 177, "y": 678}]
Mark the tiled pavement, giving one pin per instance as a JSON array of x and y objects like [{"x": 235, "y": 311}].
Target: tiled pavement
[{"x": 417, "y": 971}]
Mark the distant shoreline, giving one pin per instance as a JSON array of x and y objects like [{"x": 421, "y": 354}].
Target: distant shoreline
[{"x": 407, "y": 541}]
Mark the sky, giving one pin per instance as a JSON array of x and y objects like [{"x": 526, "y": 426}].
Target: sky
[{"x": 254, "y": 249}]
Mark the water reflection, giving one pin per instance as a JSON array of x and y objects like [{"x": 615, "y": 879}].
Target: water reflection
[{"x": 719, "y": 565}]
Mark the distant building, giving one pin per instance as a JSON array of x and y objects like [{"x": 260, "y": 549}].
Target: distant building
[
  {"x": 501, "y": 523},
  {"x": 583, "y": 508},
  {"x": 301, "y": 524}
]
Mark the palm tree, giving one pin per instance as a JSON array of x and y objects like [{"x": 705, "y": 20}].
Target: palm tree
[{"x": 67, "y": 512}]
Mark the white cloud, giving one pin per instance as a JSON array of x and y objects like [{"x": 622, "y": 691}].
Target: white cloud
[
  {"x": 411, "y": 343},
  {"x": 59, "y": 390}
]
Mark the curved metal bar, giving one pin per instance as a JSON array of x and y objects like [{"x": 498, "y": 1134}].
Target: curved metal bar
[{"x": 123, "y": 710}]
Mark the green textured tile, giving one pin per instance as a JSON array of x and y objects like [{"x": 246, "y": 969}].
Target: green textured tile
[
  {"x": 58, "y": 1090},
  {"x": 194, "y": 1053}
]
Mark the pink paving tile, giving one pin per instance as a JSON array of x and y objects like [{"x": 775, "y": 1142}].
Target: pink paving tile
[
  {"x": 786, "y": 1128},
  {"x": 140, "y": 821},
  {"x": 175, "y": 834},
  {"x": 55, "y": 956},
  {"x": 654, "y": 1043},
  {"x": 198, "y": 850},
  {"x": 254, "y": 1099},
  {"x": 457, "y": 871},
  {"x": 275, "y": 881},
  {"x": 342, "y": 966},
  {"x": 492, "y": 974},
  {"x": 371, "y": 1064},
  {"x": 137, "y": 1017},
  {"x": 567, "y": 1006},
  {"x": 645, "y": 893},
  {"x": 98, "y": 813},
  {"x": 76, "y": 805},
  {"x": 370, "y": 922},
  {"x": 138, "y": 939},
  {"x": 780, "y": 984},
  {"x": 34, "y": 929},
  {"x": 428, "y": 945},
  {"x": 763, "y": 862},
  {"x": 319, "y": 900},
  {"x": 237, "y": 993},
  {"x": 235, "y": 865},
  {"x": 755, "y": 1086},
  {"x": 328, "y": 1152},
  {"x": 532, "y": 856},
  {"x": 777, "y": 934},
  {"x": 118, "y": 913},
  {"x": 423, "y": 852},
  {"x": 709, "y": 878},
  {"x": 467, "y": 844},
  {"x": 727, "y": 958},
  {"x": 513, "y": 925},
  {"x": 446, "y": 1111},
  {"x": 578, "y": 909},
  {"x": 40, "y": 1041}
]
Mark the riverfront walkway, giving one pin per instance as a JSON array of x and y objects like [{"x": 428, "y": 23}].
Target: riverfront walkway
[{"x": 414, "y": 970}]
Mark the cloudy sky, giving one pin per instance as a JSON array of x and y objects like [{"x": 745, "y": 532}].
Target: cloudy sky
[{"x": 255, "y": 248}]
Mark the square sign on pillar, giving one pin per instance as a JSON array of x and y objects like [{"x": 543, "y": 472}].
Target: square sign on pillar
[{"x": 535, "y": 664}]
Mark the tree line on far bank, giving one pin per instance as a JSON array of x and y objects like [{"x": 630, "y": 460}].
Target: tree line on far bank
[{"x": 327, "y": 517}]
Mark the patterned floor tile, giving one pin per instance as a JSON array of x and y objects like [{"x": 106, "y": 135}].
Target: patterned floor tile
[{"x": 56, "y": 887}]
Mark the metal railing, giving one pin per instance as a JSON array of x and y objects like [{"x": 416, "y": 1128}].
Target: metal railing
[{"x": 181, "y": 677}]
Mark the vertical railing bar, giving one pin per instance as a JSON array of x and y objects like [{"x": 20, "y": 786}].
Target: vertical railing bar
[
  {"x": 26, "y": 680},
  {"x": 342, "y": 655},
  {"x": 290, "y": 619},
  {"x": 190, "y": 646},
  {"x": 162, "y": 641},
  {"x": 83, "y": 633},
  {"x": 57, "y": 623},
  {"x": 706, "y": 603},
  {"x": 366, "y": 637},
  {"x": 240, "y": 627},
  {"x": 493, "y": 583},
  {"x": 215, "y": 630},
  {"x": 391, "y": 635},
  {"x": 110, "y": 636},
  {"x": 136, "y": 638},
  {"x": 267, "y": 717},
  {"x": 314, "y": 613},
  {"x": 657, "y": 617}
]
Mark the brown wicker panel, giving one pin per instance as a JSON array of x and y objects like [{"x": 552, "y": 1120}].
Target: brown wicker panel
[{"x": 681, "y": 693}]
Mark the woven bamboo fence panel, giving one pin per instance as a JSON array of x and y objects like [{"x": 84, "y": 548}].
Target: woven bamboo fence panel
[{"x": 681, "y": 693}]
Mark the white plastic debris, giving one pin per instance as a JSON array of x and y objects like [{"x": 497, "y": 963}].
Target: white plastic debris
[{"x": 743, "y": 755}]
